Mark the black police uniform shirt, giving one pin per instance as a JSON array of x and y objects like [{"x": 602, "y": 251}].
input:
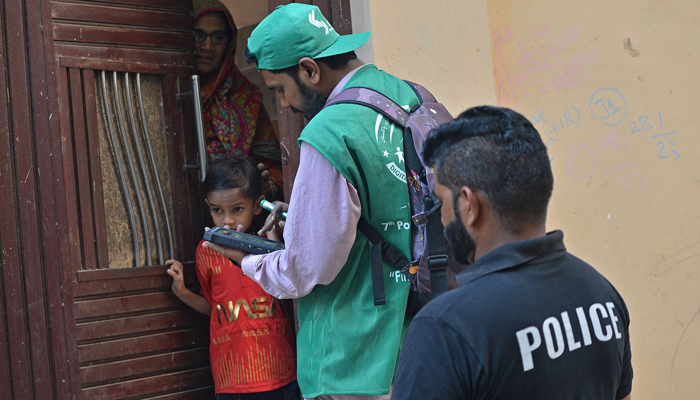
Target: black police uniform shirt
[{"x": 529, "y": 321}]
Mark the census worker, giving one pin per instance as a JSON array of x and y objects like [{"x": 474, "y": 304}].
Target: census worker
[{"x": 351, "y": 166}]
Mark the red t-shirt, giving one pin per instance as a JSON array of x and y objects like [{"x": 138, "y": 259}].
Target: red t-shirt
[{"x": 252, "y": 338}]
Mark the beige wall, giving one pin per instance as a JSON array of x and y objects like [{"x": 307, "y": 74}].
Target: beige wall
[
  {"x": 626, "y": 198},
  {"x": 442, "y": 44},
  {"x": 625, "y": 161}
]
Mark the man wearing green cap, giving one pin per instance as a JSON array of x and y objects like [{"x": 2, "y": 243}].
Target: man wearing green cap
[{"x": 351, "y": 167}]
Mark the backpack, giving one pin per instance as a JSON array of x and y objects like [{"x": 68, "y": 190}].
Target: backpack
[{"x": 428, "y": 272}]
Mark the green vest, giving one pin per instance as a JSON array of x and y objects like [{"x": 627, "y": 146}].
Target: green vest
[{"x": 346, "y": 344}]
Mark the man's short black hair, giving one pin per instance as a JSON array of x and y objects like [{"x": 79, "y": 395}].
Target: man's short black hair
[
  {"x": 497, "y": 152},
  {"x": 334, "y": 62}
]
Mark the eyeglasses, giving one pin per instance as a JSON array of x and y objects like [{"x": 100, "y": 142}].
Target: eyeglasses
[{"x": 216, "y": 37}]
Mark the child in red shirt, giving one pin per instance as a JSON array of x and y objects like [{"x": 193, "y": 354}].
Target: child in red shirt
[{"x": 252, "y": 339}]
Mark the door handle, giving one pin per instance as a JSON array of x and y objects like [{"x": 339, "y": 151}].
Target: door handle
[{"x": 199, "y": 126}]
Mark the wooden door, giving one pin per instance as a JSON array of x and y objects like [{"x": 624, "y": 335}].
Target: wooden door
[
  {"x": 83, "y": 313},
  {"x": 33, "y": 240},
  {"x": 132, "y": 197},
  {"x": 134, "y": 338}
]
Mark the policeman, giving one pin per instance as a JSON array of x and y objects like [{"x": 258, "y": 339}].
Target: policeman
[{"x": 530, "y": 320}]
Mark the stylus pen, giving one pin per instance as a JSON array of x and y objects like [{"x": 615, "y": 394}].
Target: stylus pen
[{"x": 269, "y": 207}]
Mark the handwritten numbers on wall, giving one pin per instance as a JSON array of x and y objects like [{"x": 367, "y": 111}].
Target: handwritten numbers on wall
[
  {"x": 635, "y": 183},
  {"x": 667, "y": 150},
  {"x": 665, "y": 147},
  {"x": 608, "y": 106}
]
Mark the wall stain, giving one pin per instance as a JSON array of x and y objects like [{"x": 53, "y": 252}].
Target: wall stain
[{"x": 628, "y": 46}]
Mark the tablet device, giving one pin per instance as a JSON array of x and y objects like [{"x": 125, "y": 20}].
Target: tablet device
[{"x": 242, "y": 241}]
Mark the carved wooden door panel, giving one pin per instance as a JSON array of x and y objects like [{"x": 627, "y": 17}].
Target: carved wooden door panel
[{"x": 132, "y": 193}]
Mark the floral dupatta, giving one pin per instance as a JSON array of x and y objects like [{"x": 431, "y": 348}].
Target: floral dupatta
[{"x": 235, "y": 121}]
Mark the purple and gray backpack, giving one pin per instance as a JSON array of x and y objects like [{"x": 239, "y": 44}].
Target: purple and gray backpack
[{"x": 428, "y": 272}]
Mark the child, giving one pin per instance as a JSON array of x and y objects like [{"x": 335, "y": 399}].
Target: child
[{"x": 252, "y": 339}]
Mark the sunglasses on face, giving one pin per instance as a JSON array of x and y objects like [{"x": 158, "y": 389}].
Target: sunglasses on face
[{"x": 216, "y": 37}]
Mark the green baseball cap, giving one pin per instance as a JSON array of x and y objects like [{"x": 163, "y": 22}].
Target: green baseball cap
[{"x": 294, "y": 31}]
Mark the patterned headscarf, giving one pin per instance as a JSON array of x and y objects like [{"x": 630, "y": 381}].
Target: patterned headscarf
[{"x": 232, "y": 105}]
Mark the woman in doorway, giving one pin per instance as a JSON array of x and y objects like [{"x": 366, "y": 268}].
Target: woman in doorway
[{"x": 236, "y": 123}]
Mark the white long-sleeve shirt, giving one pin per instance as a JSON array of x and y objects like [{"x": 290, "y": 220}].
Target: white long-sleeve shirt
[{"x": 319, "y": 231}]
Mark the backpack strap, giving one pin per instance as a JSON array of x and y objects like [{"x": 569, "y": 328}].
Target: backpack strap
[
  {"x": 383, "y": 249},
  {"x": 434, "y": 231},
  {"x": 371, "y": 98},
  {"x": 388, "y": 108},
  {"x": 423, "y": 94},
  {"x": 437, "y": 257},
  {"x": 380, "y": 249},
  {"x": 410, "y": 154}
]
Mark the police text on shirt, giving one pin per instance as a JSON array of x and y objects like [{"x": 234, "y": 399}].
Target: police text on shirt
[{"x": 529, "y": 339}]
